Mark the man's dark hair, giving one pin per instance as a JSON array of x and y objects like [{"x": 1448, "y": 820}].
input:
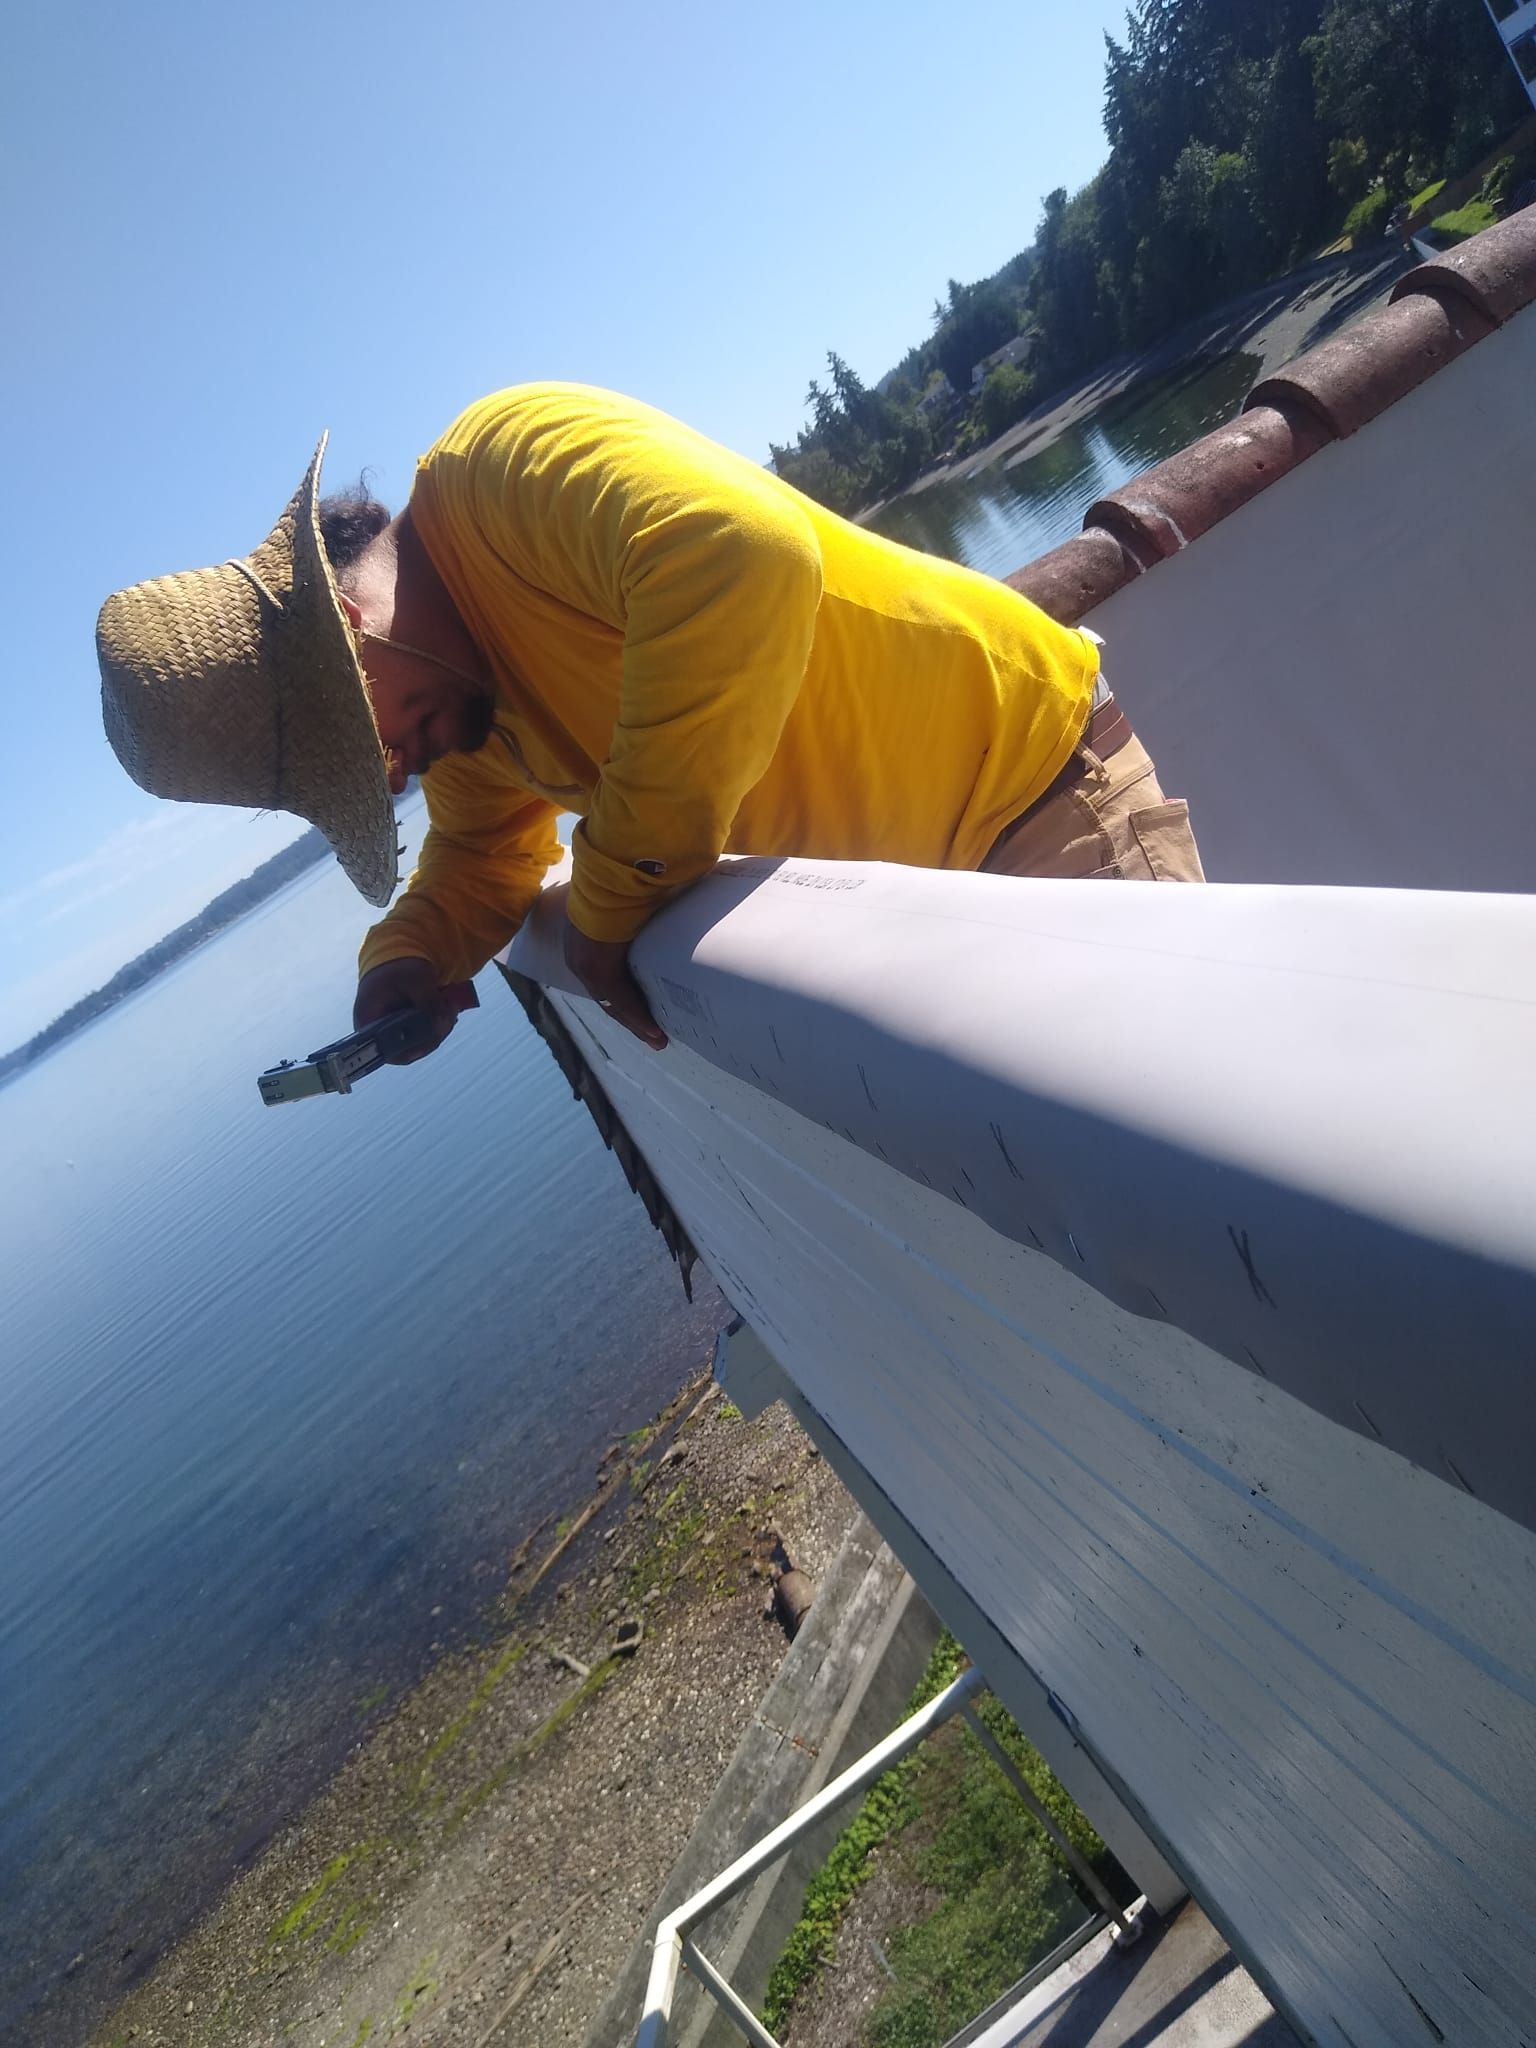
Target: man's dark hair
[{"x": 348, "y": 521}]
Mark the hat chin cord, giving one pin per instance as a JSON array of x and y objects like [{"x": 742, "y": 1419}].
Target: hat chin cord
[
  {"x": 476, "y": 683},
  {"x": 361, "y": 632}
]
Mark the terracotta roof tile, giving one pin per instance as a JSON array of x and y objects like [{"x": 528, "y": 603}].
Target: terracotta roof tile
[
  {"x": 1495, "y": 273},
  {"x": 1185, "y": 496},
  {"x": 1346, "y": 382},
  {"x": 1073, "y": 578},
  {"x": 1437, "y": 312}
]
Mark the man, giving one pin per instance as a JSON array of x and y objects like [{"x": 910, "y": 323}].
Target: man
[{"x": 587, "y": 607}]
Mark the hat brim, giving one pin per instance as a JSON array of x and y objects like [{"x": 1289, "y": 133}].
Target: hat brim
[{"x": 335, "y": 772}]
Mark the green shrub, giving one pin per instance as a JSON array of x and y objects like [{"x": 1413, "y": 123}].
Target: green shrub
[
  {"x": 1004, "y": 398},
  {"x": 1496, "y": 186},
  {"x": 1367, "y": 220},
  {"x": 1348, "y": 168}
]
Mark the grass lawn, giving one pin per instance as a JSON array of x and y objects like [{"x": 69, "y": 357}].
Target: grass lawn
[
  {"x": 1007, "y": 1901},
  {"x": 1421, "y": 199},
  {"x": 946, "y": 1819},
  {"x": 1466, "y": 221}
]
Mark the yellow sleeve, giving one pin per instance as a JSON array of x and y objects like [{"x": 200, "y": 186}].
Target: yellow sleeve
[
  {"x": 487, "y": 848},
  {"x": 711, "y": 571}
]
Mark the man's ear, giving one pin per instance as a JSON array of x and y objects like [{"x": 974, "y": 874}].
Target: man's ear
[{"x": 353, "y": 610}]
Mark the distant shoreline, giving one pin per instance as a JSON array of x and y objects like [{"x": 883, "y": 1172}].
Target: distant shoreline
[{"x": 227, "y": 908}]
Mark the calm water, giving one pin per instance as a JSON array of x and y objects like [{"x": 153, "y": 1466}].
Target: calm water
[
  {"x": 1008, "y": 513},
  {"x": 280, "y": 1388},
  {"x": 276, "y": 1384}
]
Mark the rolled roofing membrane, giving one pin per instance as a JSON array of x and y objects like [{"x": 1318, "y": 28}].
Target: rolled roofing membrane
[{"x": 1299, "y": 1124}]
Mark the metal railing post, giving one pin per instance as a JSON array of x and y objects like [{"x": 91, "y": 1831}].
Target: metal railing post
[
  {"x": 1076, "y": 1861},
  {"x": 727, "y": 1997},
  {"x": 665, "y": 1957}
]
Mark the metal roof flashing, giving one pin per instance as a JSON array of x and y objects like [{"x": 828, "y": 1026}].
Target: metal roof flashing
[{"x": 1437, "y": 312}]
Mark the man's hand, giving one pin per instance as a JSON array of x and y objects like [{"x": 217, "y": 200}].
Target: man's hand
[
  {"x": 602, "y": 968},
  {"x": 403, "y": 985}
]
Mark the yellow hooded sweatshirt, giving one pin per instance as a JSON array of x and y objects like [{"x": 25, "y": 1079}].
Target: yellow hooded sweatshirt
[{"x": 696, "y": 659}]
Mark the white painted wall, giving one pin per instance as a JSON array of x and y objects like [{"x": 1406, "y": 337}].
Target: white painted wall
[{"x": 1341, "y": 677}]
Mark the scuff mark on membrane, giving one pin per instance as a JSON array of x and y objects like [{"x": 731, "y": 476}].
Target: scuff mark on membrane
[
  {"x": 1245, "y": 1252},
  {"x": 1456, "y": 1473},
  {"x": 997, "y": 1138}
]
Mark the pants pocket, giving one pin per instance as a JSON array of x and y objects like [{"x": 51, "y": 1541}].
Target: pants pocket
[
  {"x": 1162, "y": 838},
  {"x": 1062, "y": 839}
]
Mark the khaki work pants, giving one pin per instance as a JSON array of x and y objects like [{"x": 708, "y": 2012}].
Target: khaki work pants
[{"x": 1111, "y": 824}]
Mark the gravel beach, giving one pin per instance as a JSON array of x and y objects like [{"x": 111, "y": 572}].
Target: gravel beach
[{"x": 479, "y": 1868}]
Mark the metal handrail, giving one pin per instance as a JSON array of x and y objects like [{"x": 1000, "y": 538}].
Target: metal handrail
[{"x": 674, "y": 1942}]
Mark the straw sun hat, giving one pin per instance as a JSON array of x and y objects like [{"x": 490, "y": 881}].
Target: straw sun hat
[{"x": 241, "y": 684}]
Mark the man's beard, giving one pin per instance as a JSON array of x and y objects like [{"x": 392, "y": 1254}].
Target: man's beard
[{"x": 479, "y": 717}]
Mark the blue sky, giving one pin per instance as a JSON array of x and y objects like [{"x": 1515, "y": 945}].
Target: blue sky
[{"x": 229, "y": 228}]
